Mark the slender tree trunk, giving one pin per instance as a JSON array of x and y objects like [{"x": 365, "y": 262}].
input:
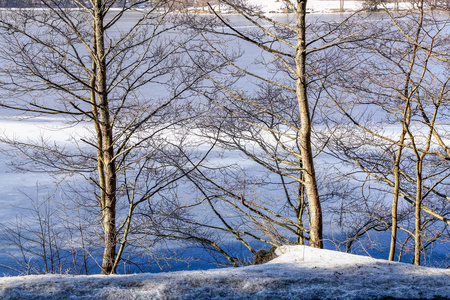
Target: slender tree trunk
[
  {"x": 419, "y": 161},
  {"x": 417, "y": 223},
  {"x": 107, "y": 155},
  {"x": 309, "y": 175},
  {"x": 395, "y": 197},
  {"x": 394, "y": 213},
  {"x": 405, "y": 128},
  {"x": 395, "y": 206},
  {"x": 299, "y": 214}
]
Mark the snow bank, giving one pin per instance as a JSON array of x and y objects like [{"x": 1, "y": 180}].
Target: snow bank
[{"x": 298, "y": 273}]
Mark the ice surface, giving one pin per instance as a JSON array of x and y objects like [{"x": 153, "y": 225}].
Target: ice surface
[{"x": 299, "y": 272}]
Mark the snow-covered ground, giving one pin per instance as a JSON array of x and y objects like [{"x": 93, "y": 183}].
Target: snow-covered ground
[{"x": 298, "y": 273}]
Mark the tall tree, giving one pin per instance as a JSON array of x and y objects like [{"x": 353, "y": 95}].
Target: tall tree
[
  {"x": 396, "y": 110},
  {"x": 266, "y": 110},
  {"x": 116, "y": 80}
]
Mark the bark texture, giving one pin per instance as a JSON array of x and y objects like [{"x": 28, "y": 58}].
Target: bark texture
[{"x": 309, "y": 175}]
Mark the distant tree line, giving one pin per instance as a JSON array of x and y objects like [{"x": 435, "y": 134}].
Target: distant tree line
[
  {"x": 29, "y": 3},
  {"x": 62, "y": 3}
]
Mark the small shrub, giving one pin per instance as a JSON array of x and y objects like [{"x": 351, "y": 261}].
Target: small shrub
[{"x": 263, "y": 256}]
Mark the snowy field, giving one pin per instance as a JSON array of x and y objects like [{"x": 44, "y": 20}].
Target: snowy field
[{"x": 298, "y": 273}]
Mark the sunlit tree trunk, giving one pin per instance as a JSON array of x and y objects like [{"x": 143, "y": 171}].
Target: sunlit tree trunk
[
  {"x": 395, "y": 197},
  {"x": 107, "y": 151},
  {"x": 309, "y": 175}
]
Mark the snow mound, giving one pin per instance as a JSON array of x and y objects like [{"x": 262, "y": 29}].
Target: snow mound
[
  {"x": 299, "y": 272},
  {"x": 320, "y": 257}
]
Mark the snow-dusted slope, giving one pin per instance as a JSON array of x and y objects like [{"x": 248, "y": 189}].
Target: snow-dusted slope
[{"x": 298, "y": 273}]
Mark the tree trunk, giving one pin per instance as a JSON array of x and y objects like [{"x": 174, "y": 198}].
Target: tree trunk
[
  {"x": 395, "y": 198},
  {"x": 405, "y": 124},
  {"x": 417, "y": 223},
  {"x": 309, "y": 175},
  {"x": 107, "y": 151}
]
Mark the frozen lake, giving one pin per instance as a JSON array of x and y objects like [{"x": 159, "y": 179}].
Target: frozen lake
[
  {"x": 15, "y": 185},
  {"x": 19, "y": 189}
]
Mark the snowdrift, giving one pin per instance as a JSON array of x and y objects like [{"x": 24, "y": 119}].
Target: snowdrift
[{"x": 298, "y": 272}]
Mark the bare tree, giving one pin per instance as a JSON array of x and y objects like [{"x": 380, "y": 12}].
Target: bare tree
[
  {"x": 117, "y": 84},
  {"x": 396, "y": 110},
  {"x": 45, "y": 238},
  {"x": 264, "y": 111}
]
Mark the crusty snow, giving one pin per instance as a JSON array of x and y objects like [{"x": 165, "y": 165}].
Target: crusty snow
[{"x": 299, "y": 272}]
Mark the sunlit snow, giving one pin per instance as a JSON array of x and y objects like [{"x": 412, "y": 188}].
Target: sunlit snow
[{"x": 298, "y": 273}]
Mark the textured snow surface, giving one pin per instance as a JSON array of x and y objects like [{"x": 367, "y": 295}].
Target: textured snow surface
[{"x": 298, "y": 273}]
